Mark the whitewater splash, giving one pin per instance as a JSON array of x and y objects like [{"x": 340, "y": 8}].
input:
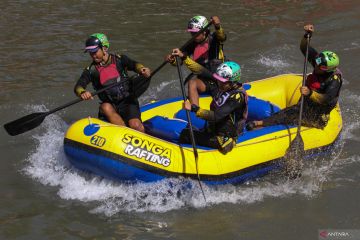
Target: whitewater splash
[
  {"x": 164, "y": 87},
  {"x": 278, "y": 60},
  {"x": 48, "y": 165},
  {"x": 273, "y": 61}
]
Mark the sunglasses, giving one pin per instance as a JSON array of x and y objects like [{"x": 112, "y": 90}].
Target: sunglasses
[{"x": 321, "y": 63}]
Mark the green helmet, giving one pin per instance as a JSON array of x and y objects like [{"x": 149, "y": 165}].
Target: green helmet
[
  {"x": 196, "y": 23},
  {"x": 228, "y": 71},
  {"x": 327, "y": 61},
  {"x": 96, "y": 41}
]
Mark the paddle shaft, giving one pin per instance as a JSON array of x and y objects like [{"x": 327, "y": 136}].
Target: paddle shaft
[
  {"x": 92, "y": 94},
  {"x": 187, "y": 111},
  {"x": 191, "y": 131},
  {"x": 303, "y": 83}
]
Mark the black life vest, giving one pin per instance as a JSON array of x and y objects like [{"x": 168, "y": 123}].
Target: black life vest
[
  {"x": 103, "y": 76},
  {"x": 315, "y": 83},
  {"x": 233, "y": 124}
]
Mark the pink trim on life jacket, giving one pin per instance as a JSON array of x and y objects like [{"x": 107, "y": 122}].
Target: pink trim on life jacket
[
  {"x": 108, "y": 72},
  {"x": 201, "y": 50}
]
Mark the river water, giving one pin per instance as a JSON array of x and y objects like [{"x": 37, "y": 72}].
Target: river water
[{"x": 43, "y": 197}]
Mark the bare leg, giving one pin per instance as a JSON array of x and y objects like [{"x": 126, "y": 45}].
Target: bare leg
[
  {"x": 136, "y": 124},
  {"x": 111, "y": 114},
  {"x": 254, "y": 124},
  {"x": 195, "y": 86}
]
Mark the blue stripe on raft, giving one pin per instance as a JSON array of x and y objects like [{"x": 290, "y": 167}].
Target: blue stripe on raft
[
  {"x": 120, "y": 171},
  {"x": 108, "y": 167},
  {"x": 247, "y": 176}
]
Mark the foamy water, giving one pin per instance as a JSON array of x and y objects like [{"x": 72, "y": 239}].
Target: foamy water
[{"x": 276, "y": 60}]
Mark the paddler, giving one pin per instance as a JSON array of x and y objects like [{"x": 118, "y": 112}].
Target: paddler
[
  {"x": 117, "y": 105},
  {"x": 206, "y": 51},
  {"x": 321, "y": 90},
  {"x": 228, "y": 110}
]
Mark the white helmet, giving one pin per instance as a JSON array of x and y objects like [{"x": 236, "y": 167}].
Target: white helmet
[{"x": 196, "y": 23}]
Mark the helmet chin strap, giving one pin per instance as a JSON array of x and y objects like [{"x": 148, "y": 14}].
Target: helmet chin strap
[
  {"x": 105, "y": 57},
  {"x": 205, "y": 38}
]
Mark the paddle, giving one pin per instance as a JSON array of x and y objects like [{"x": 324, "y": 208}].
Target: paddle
[
  {"x": 193, "y": 143},
  {"x": 295, "y": 152},
  {"x": 33, "y": 120},
  {"x": 139, "y": 87}
]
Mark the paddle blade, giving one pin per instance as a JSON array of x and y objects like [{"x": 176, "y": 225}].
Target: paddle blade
[
  {"x": 294, "y": 158},
  {"x": 25, "y": 124}
]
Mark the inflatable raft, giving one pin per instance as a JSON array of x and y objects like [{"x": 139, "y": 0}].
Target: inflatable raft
[{"x": 124, "y": 154}]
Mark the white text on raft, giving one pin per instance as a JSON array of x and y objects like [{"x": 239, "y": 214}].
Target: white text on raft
[{"x": 144, "y": 149}]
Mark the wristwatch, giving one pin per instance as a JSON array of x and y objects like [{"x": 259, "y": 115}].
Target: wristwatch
[{"x": 194, "y": 108}]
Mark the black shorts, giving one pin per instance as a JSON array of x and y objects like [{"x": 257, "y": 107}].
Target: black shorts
[
  {"x": 127, "y": 109},
  {"x": 210, "y": 84}
]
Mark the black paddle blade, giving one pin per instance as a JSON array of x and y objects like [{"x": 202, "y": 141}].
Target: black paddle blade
[
  {"x": 25, "y": 124},
  {"x": 293, "y": 159}
]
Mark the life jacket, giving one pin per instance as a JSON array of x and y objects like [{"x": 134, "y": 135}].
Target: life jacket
[
  {"x": 315, "y": 83},
  {"x": 103, "y": 76},
  {"x": 209, "y": 52},
  {"x": 201, "y": 51},
  {"x": 234, "y": 123}
]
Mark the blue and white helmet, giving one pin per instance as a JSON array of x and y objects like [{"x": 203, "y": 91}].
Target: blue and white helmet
[{"x": 228, "y": 72}]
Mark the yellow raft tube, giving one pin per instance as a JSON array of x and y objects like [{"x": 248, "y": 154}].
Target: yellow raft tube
[{"x": 124, "y": 154}]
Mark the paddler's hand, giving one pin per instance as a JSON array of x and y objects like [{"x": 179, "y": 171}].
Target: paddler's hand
[
  {"x": 170, "y": 58},
  {"x": 177, "y": 52},
  {"x": 146, "y": 72},
  {"x": 216, "y": 21},
  {"x": 187, "y": 105},
  {"x": 305, "y": 90},
  {"x": 309, "y": 29},
  {"x": 86, "y": 96}
]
